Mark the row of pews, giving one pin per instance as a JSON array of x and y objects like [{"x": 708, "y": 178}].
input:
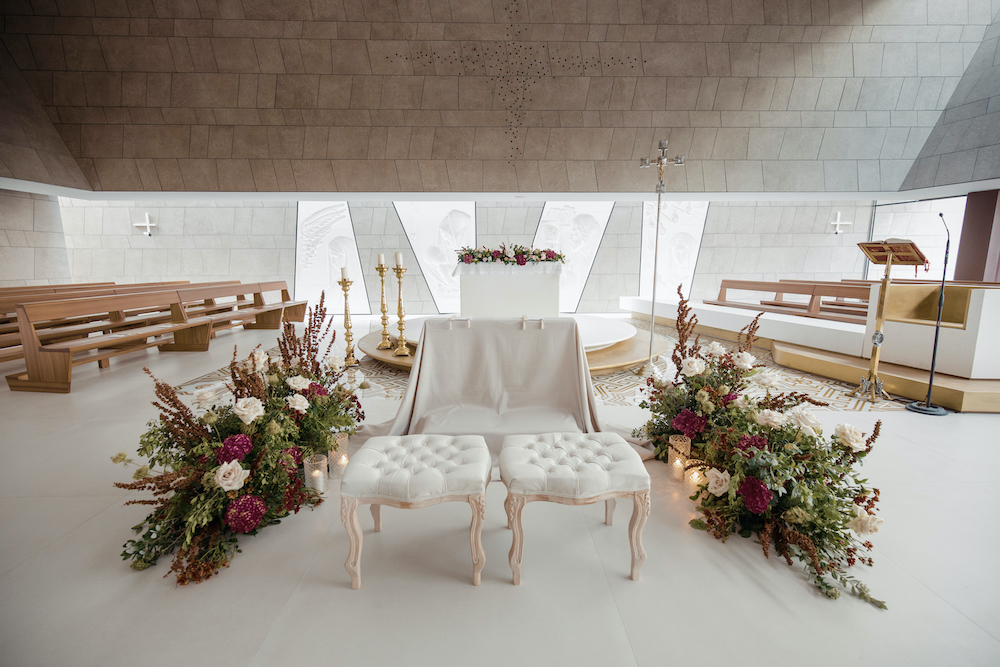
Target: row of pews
[
  {"x": 843, "y": 301},
  {"x": 56, "y": 327}
]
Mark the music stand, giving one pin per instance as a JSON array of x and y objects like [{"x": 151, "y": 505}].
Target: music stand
[{"x": 886, "y": 252}]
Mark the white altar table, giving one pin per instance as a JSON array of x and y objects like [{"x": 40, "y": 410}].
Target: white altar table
[{"x": 504, "y": 290}]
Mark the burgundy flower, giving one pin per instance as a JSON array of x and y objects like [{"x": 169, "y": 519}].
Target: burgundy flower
[
  {"x": 296, "y": 454},
  {"x": 755, "y": 494},
  {"x": 234, "y": 448},
  {"x": 520, "y": 259},
  {"x": 496, "y": 254},
  {"x": 689, "y": 423},
  {"x": 550, "y": 254},
  {"x": 467, "y": 258},
  {"x": 244, "y": 514},
  {"x": 315, "y": 389},
  {"x": 729, "y": 398},
  {"x": 749, "y": 442}
]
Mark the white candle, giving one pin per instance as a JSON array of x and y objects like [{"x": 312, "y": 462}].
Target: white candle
[
  {"x": 381, "y": 259},
  {"x": 318, "y": 481},
  {"x": 399, "y": 259},
  {"x": 343, "y": 273}
]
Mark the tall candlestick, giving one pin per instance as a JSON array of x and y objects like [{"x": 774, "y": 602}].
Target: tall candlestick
[
  {"x": 399, "y": 260},
  {"x": 401, "y": 349},
  {"x": 381, "y": 259},
  {"x": 349, "y": 359},
  {"x": 386, "y": 344}
]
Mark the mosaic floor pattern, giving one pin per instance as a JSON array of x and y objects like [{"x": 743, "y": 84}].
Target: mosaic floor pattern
[{"x": 616, "y": 388}]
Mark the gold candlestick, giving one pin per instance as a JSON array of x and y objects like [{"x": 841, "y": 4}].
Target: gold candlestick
[
  {"x": 349, "y": 359},
  {"x": 401, "y": 349},
  {"x": 386, "y": 343}
]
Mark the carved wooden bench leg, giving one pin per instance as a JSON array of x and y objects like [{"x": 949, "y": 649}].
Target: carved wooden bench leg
[
  {"x": 377, "y": 516},
  {"x": 514, "y": 505},
  {"x": 349, "y": 515},
  {"x": 478, "y": 503},
  {"x": 609, "y": 510},
  {"x": 639, "y": 513}
]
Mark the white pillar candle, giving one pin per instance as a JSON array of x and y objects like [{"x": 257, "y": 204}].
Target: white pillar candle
[
  {"x": 399, "y": 259},
  {"x": 343, "y": 273},
  {"x": 318, "y": 481},
  {"x": 381, "y": 259}
]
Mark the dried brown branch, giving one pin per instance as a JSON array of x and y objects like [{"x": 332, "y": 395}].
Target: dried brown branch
[
  {"x": 748, "y": 335},
  {"x": 686, "y": 323},
  {"x": 184, "y": 428},
  {"x": 307, "y": 348}
]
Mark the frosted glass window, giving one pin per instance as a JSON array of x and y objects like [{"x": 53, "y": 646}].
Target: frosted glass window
[
  {"x": 681, "y": 227},
  {"x": 435, "y": 230},
  {"x": 324, "y": 242},
  {"x": 919, "y": 222},
  {"x": 574, "y": 228}
]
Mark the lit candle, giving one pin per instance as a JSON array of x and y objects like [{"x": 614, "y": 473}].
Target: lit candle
[
  {"x": 318, "y": 481},
  {"x": 343, "y": 273},
  {"x": 381, "y": 259},
  {"x": 399, "y": 259}
]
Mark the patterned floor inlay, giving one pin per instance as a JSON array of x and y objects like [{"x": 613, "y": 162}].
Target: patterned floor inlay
[{"x": 621, "y": 387}]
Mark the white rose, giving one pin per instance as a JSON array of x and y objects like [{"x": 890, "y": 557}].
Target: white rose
[
  {"x": 850, "y": 436},
  {"x": 248, "y": 409},
  {"x": 298, "y": 402},
  {"x": 692, "y": 366},
  {"x": 715, "y": 349},
  {"x": 864, "y": 523},
  {"x": 744, "y": 361},
  {"x": 231, "y": 476},
  {"x": 207, "y": 396},
  {"x": 298, "y": 383},
  {"x": 805, "y": 419},
  {"x": 743, "y": 403},
  {"x": 259, "y": 360},
  {"x": 335, "y": 362},
  {"x": 771, "y": 418},
  {"x": 765, "y": 380},
  {"x": 718, "y": 481}
]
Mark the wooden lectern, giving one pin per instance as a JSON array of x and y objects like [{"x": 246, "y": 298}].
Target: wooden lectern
[{"x": 888, "y": 252}]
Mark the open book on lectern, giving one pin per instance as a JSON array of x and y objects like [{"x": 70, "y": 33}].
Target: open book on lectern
[{"x": 903, "y": 251}]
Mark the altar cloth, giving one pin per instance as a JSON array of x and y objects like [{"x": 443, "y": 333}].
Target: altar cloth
[{"x": 496, "y": 377}]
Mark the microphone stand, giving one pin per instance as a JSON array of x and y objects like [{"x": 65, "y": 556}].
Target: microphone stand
[{"x": 926, "y": 408}]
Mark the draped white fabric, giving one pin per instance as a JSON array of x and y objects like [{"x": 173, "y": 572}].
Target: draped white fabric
[{"x": 496, "y": 377}]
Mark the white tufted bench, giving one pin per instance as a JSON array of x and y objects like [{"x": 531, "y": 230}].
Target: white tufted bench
[
  {"x": 413, "y": 471},
  {"x": 573, "y": 469}
]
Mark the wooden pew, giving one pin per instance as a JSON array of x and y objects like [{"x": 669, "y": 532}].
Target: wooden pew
[
  {"x": 814, "y": 308},
  {"x": 292, "y": 311},
  {"x": 49, "y": 364}
]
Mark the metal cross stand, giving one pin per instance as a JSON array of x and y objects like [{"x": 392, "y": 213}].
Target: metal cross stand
[{"x": 884, "y": 252}]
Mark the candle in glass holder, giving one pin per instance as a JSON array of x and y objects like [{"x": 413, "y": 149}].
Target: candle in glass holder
[
  {"x": 315, "y": 470},
  {"x": 676, "y": 463},
  {"x": 692, "y": 479}
]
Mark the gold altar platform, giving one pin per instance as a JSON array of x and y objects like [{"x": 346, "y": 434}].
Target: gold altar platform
[
  {"x": 627, "y": 353},
  {"x": 950, "y": 392}
]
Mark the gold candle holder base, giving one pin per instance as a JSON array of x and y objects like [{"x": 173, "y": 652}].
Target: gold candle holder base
[
  {"x": 349, "y": 359},
  {"x": 401, "y": 348},
  {"x": 386, "y": 343}
]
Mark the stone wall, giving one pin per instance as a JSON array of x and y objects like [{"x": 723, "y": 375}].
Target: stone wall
[{"x": 32, "y": 247}]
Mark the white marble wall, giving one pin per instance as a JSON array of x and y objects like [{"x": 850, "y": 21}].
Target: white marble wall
[
  {"x": 193, "y": 240},
  {"x": 32, "y": 247},
  {"x": 772, "y": 241}
]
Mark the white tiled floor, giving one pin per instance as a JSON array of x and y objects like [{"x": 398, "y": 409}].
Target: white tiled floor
[{"x": 67, "y": 598}]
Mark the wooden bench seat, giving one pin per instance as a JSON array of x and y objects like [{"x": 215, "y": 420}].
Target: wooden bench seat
[
  {"x": 816, "y": 293},
  {"x": 49, "y": 364}
]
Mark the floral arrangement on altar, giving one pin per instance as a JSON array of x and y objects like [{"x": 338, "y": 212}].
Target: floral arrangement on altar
[
  {"x": 515, "y": 254},
  {"x": 768, "y": 469},
  {"x": 236, "y": 468}
]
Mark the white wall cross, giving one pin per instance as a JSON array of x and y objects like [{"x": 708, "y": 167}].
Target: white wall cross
[
  {"x": 148, "y": 231},
  {"x": 837, "y": 223}
]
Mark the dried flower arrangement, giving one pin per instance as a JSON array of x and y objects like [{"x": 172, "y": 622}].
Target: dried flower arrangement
[
  {"x": 767, "y": 467},
  {"x": 236, "y": 468}
]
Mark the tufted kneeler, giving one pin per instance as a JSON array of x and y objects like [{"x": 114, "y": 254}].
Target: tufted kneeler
[
  {"x": 573, "y": 469},
  {"x": 413, "y": 471}
]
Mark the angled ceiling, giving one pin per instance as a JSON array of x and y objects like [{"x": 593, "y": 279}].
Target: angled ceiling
[{"x": 481, "y": 95}]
